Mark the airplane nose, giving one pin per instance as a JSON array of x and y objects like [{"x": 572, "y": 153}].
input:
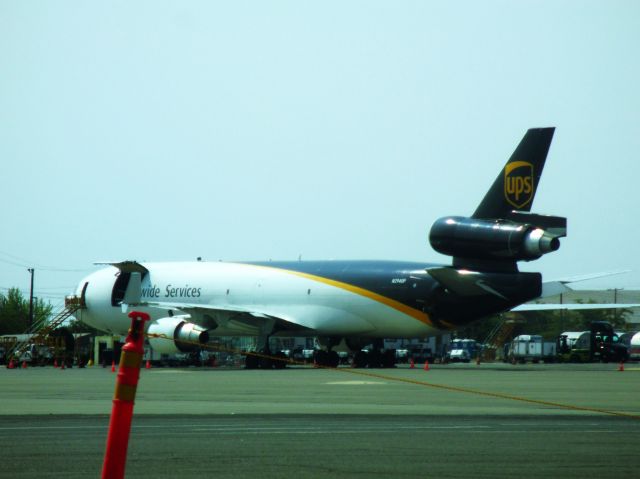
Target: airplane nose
[
  {"x": 91, "y": 294},
  {"x": 81, "y": 291}
]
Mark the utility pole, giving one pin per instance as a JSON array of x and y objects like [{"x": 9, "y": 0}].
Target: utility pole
[
  {"x": 615, "y": 311},
  {"x": 31, "y": 270},
  {"x": 561, "y": 315}
]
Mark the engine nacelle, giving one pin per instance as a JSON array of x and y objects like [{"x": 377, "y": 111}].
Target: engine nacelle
[
  {"x": 176, "y": 335},
  {"x": 482, "y": 239}
]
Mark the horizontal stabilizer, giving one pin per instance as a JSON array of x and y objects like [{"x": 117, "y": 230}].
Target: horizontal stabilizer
[
  {"x": 463, "y": 282},
  {"x": 554, "y": 225}
]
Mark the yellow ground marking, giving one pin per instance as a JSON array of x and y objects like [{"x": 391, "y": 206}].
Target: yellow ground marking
[
  {"x": 354, "y": 383},
  {"x": 367, "y": 374}
]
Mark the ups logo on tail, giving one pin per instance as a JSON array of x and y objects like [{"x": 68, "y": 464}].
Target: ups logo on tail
[{"x": 518, "y": 183}]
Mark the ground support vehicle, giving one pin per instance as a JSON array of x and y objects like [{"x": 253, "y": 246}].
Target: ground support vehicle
[
  {"x": 601, "y": 343},
  {"x": 462, "y": 350},
  {"x": 530, "y": 347}
]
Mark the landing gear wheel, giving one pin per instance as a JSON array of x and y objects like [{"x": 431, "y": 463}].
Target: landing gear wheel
[
  {"x": 333, "y": 359},
  {"x": 251, "y": 361},
  {"x": 360, "y": 359},
  {"x": 389, "y": 358},
  {"x": 320, "y": 357},
  {"x": 265, "y": 362},
  {"x": 280, "y": 361},
  {"x": 375, "y": 359}
]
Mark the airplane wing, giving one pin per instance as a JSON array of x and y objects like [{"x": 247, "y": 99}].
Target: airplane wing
[
  {"x": 572, "y": 306},
  {"x": 222, "y": 315},
  {"x": 585, "y": 277},
  {"x": 559, "y": 286}
]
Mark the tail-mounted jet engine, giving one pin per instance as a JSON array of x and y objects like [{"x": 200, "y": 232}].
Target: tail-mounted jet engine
[
  {"x": 487, "y": 239},
  {"x": 176, "y": 335}
]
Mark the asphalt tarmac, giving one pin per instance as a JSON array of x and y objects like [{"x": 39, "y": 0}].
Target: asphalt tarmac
[{"x": 450, "y": 421}]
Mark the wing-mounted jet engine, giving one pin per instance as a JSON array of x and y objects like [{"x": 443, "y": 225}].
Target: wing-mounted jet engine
[
  {"x": 176, "y": 335},
  {"x": 486, "y": 247}
]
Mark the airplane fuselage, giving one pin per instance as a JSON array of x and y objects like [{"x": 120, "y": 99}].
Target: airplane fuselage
[
  {"x": 377, "y": 299},
  {"x": 341, "y": 298}
]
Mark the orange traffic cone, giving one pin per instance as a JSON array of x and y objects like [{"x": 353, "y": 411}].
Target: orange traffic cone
[
  {"x": 24, "y": 365},
  {"x": 412, "y": 364},
  {"x": 426, "y": 365},
  {"x": 113, "y": 366},
  {"x": 55, "y": 363},
  {"x": 147, "y": 364},
  {"x": 621, "y": 368},
  {"x": 11, "y": 364}
]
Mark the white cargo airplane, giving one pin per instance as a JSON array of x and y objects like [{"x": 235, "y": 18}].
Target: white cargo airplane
[{"x": 355, "y": 301}]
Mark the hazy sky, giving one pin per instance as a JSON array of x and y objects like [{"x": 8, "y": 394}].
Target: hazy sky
[{"x": 260, "y": 130}]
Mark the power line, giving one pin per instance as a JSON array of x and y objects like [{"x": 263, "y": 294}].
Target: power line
[
  {"x": 37, "y": 293},
  {"x": 24, "y": 263}
]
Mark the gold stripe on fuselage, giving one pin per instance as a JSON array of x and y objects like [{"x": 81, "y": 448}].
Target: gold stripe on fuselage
[{"x": 392, "y": 303}]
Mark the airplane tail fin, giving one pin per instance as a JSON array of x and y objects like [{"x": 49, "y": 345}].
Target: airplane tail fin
[
  {"x": 515, "y": 187},
  {"x": 502, "y": 230}
]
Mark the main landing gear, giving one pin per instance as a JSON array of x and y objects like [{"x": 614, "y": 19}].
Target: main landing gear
[
  {"x": 326, "y": 359},
  {"x": 264, "y": 358},
  {"x": 375, "y": 358}
]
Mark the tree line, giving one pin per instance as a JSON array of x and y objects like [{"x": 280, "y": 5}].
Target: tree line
[
  {"x": 14, "y": 312},
  {"x": 548, "y": 324}
]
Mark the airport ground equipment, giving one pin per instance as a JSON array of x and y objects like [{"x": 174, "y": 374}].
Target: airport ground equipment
[
  {"x": 601, "y": 343},
  {"x": 493, "y": 344},
  {"x": 531, "y": 347},
  {"x": 462, "y": 350},
  {"x": 37, "y": 343},
  {"x": 605, "y": 343}
]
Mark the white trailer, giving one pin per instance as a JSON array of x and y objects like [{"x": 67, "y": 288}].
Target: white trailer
[{"x": 531, "y": 347}]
